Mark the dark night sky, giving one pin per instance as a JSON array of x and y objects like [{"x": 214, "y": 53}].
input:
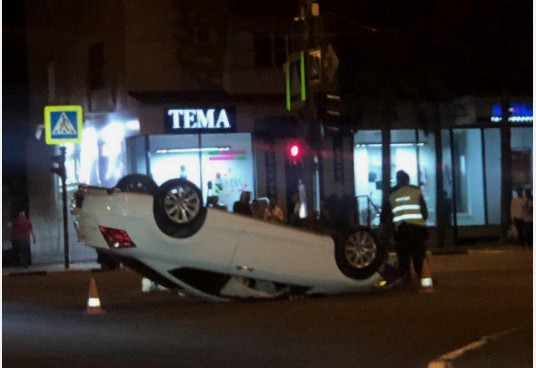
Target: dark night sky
[
  {"x": 14, "y": 90},
  {"x": 457, "y": 47}
]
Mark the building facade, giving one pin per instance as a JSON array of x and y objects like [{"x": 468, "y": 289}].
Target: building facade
[{"x": 172, "y": 91}]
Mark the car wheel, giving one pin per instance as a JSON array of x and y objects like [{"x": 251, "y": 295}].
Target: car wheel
[
  {"x": 357, "y": 253},
  {"x": 137, "y": 183},
  {"x": 178, "y": 208}
]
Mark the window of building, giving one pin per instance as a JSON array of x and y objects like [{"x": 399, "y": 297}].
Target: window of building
[
  {"x": 270, "y": 50},
  {"x": 492, "y": 154},
  {"x": 414, "y": 152},
  {"x": 411, "y": 150},
  {"x": 99, "y": 159},
  {"x": 522, "y": 161},
  {"x": 448, "y": 189},
  {"x": 472, "y": 175},
  {"x": 368, "y": 175},
  {"x": 220, "y": 164},
  {"x": 468, "y": 183},
  {"x": 426, "y": 161}
]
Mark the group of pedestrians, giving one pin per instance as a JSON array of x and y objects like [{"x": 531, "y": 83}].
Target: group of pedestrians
[
  {"x": 521, "y": 213},
  {"x": 272, "y": 213}
]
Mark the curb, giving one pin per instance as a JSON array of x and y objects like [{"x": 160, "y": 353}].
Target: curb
[
  {"x": 447, "y": 252},
  {"x": 45, "y": 272}
]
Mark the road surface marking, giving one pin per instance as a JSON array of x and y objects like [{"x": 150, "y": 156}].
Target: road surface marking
[{"x": 446, "y": 360}]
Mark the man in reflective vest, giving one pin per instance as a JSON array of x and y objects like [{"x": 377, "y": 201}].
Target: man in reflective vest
[{"x": 409, "y": 214}]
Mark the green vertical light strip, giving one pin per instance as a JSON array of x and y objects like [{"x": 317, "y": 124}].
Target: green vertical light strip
[
  {"x": 287, "y": 83},
  {"x": 289, "y": 66},
  {"x": 302, "y": 75}
]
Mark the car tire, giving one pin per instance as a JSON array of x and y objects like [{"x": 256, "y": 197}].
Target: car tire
[
  {"x": 178, "y": 208},
  {"x": 137, "y": 183},
  {"x": 357, "y": 253}
]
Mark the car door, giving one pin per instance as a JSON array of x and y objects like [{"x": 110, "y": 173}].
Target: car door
[{"x": 283, "y": 254}]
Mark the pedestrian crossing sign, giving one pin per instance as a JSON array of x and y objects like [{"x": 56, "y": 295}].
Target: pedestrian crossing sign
[{"x": 63, "y": 124}]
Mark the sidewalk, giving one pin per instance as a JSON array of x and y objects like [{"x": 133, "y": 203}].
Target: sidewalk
[
  {"x": 476, "y": 247},
  {"x": 51, "y": 267}
]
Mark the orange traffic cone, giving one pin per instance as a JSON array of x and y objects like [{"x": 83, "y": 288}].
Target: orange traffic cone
[
  {"x": 93, "y": 301},
  {"x": 427, "y": 283}
]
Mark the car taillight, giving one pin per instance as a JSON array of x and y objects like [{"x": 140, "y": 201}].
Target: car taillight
[{"x": 116, "y": 238}]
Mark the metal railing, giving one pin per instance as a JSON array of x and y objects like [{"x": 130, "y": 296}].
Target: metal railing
[{"x": 367, "y": 212}]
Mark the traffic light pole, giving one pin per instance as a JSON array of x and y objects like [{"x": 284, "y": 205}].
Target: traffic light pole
[
  {"x": 65, "y": 215},
  {"x": 60, "y": 171}
]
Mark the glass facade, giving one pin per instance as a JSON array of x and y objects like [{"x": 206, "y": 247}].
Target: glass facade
[
  {"x": 99, "y": 158},
  {"x": 493, "y": 176},
  {"x": 468, "y": 176},
  {"x": 411, "y": 150},
  {"x": 368, "y": 175},
  {"x": 471, "y": 159},
  {"x": 522, "y": 157},
  {"x": 220, "y": 164}
]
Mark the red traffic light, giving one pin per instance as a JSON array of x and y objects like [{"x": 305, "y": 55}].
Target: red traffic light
[{"x": 294, "y": 150}]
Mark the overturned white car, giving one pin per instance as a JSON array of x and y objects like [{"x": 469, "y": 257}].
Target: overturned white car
[{"x": 166, "y": 234}]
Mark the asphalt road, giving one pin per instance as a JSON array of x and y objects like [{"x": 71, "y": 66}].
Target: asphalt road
[{"x": 480, "y": 315}]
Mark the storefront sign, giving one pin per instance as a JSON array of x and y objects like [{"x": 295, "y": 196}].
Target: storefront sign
[
  {"x": 204, "y": 120},
  {"x": 518, "y": 113}
]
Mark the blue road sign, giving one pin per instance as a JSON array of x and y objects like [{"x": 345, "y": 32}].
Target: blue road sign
[{"x": 63, "y": 124}]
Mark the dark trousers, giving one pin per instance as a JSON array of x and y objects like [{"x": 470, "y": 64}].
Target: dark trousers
[
  {"x": 521, "y": 230},
  {"x": 410, "y": 246},
  {"x": 529, "y": 230},
  {"x": 23, "y": 252},
  {"x": 16, "y": 252}
]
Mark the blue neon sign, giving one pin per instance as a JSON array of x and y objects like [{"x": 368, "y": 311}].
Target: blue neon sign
[{"x": 519, "y": 113}]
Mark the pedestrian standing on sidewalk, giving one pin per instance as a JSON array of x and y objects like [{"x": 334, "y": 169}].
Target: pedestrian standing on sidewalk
[
  {"x": 527, "y": 217},
  {"x": 516, "y": 212},
  {"x": 408, "y": 212},
  {"x": 21, "y": 228}
]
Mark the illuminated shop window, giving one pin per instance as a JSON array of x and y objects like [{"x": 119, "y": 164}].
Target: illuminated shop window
[
  {"x": 174, "y": 156},
  {"x": 522, "y": 157},
  {"x": 411, "y": 151},
  {"x": 471, "y": 178},
  {"x": 427, "y": 168},
  {"x": 99, "y": 159},
  {"x": 227, "y": 172},
  {"x": 368, "y": 175},
  {"x": 220, "y": 164},
  {"x": 468, "y": 176},
  {"x": 492, "y": 144}
]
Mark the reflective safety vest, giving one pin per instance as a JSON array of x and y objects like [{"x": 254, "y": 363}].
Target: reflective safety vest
[{"x": 406, "y": 207}]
